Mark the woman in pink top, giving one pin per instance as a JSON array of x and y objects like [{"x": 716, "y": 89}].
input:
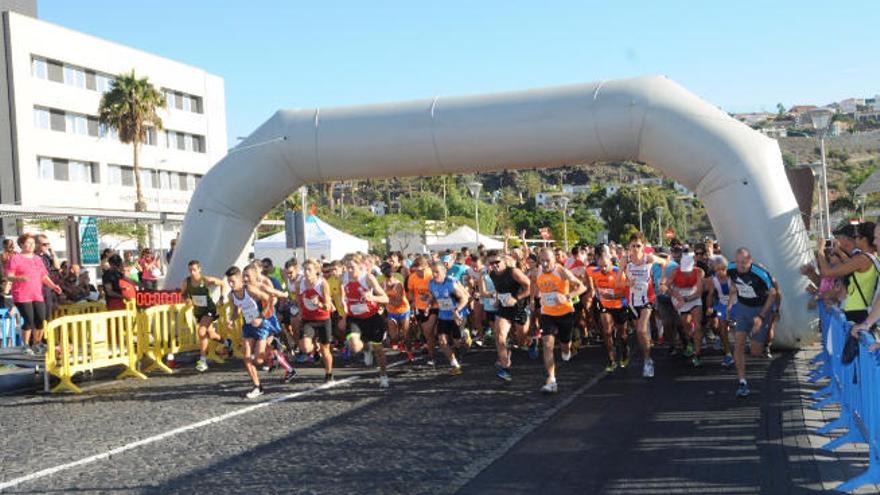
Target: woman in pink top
[{"x": 27, "y": 272}]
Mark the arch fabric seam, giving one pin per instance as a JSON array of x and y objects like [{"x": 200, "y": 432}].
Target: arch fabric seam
[
  {"x": 596, "y": 120},
  {"x": 642, "y": 125},
  {"x": 434, "y": 133}
]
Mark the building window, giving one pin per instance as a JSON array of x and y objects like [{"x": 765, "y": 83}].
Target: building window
[
  {"x": 114, "y": 175},
  {"x": 197, "y": 105},
  {"x": 74, "y": 76},
  {"x": 187, "y": 103},
  {"x": 79, "y": 171},
  {"x": 57, "y": 121},
  {"x": 103, "y": 82},
  {"x": 39, "y": 68},
  {"x": 181, "y": 182},
  {"x": 170, "y": 139},
  {"x": 108, "y": 132},
  {"x": 164, "y": 180},
  {"x": 146, "y": 178},
  {"x": 181, "y": 141},
  {"x": 47, "y": 168},
  {"x": 77, "y": 124},
  {"x": 190, "y": 182},
  {"x": 169, "y": 99},
  {"x": 150, "y": 137},
  {"x": 41, "y": 118}
]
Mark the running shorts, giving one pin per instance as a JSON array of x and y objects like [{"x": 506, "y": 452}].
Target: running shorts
[
  {"x": 558, "y": 326},
  {"x": 371, "y": 328}
]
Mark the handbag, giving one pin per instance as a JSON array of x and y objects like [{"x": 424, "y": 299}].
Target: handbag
[{"x": 850, "y": 349}]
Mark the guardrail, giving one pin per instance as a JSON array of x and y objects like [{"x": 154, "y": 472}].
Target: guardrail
[
  {"x": 854, "y": 386},
  {"x": 83, "y": 343},
  {"x": 78, "y": 309},
  {"x": 10, "y": 329}
]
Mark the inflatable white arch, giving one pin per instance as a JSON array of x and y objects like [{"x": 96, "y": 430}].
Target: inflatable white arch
[{"x": 736, "y": 172}]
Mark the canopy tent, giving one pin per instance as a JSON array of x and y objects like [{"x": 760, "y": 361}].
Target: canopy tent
[
  {"x": 322, "y": 239},
  {"x": 463, "y": 236}
]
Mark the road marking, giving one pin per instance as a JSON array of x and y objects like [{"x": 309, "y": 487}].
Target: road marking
[
  {"x": 475, "y": 468},
  {"x": 183, "y": 429}
]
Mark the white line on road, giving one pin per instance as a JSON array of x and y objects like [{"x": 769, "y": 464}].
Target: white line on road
[{"x": 183, "y": 429}]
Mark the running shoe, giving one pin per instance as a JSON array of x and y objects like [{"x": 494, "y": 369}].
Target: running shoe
[
  {"x": 29, "y": 351},
  {"x": 202, "y": 365},
  {"x": 727, "y": 362},
  {"x": 504, "y": 375},
  {"x": 743, "y": 389},
  {"x": 673, "y": 352},
  {"x": 409, "y": 357},
  {"x": 648, "y": 369},
  {"x": 328, "y": 378},
  {"x": 255, "y": 392},
  {"x": 689, "y": 351},
  {"x": 550, "y": 388},
  {"x": 609, "y": 368},
  {"x": 289, "y": 376},
  {"x": 466, "y": 335},
  {"x": 384, "y": 382},
  {"x": 767, "y": 353},
  {"x": 695, "y": 361},
  {"x": 455, "y": 370},
  {"x": 533, "y": 349},
  {"x": 624, "y": 362},
  {"x": 430, "y": 362},
  {"x": 368, "y": 356},
  {"x": 566, "y": 356}
]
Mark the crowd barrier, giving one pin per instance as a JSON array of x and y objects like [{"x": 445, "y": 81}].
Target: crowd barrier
[
  {"x": 78, "y": 309},
  {"x": 86, "y": 342},
  {"x": 10, "y": 329},
  {"x": 854, "y": 387}
]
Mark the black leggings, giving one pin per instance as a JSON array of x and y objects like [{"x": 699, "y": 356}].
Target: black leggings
[{"x": 33, "y": 314}]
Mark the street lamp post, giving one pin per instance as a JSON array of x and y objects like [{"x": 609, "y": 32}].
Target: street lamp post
[
  {"x": 563, "y": 202},
  {"x": 659, "y": 211},
  {"x": 474, "y": 188},
  {"x": 821, "y": 118}
]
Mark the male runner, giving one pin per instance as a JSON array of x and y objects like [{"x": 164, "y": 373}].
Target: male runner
[
  {"x": 556, "y": 286},
  {"x": 641, "y": 296},
  {"x": 608, "y": 288},
  {"x": 686, "y": 288},
  {"x": 512, "y": 288},
  {"x": 397, "y": 308},
  {"x": 754, "y": 293},
  {"x": 719, "y": 296},
  {"x": 420, "y": 297},
  {"x": 316, "y": 304},
  {"x": 255, "y": 306},
  {"x": 196, "y": 288},
  {"x": 451, "y": 299},
  {"x": 363, "y": 296}
]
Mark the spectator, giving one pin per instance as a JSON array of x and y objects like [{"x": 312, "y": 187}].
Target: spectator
[
  {"x": 50, "y": 297},
  {"x": 117, "y": 287},
  {"x": 170, "y": 252},
  {"x": 86, "y": 286},
  {"x": 151, "y": 269},
  {"x": 28, "y": 274},
  {"x": 131, "y": 268}
]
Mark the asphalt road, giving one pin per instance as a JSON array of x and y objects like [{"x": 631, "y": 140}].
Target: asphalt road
[{"x": 430, "y": 433}]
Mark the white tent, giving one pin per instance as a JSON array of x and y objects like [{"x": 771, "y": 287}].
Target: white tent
[
  {"x": 322, "y": 239},
  {"x": 461, "y": 237}
]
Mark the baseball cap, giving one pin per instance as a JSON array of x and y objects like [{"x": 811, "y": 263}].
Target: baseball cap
[{"x": 687, "y": 263}]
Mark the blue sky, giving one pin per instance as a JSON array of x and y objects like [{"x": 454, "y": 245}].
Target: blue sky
[{"x": 742, "y": 56}]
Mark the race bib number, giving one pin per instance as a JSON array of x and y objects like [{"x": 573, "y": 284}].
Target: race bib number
[
  {"x": 746, "y": 291},
  {"x": 200, "y": 301},
  {"x": 425, "y": 298},
  {"x": 359, "y": 309},
  {"x": 294, "y": 309},
  {"x": 445, "y": 304},
  {"x": 689, "y": 291},
  {"x": 310, "y": 303},
  {"x": 550, "y": 299},
  {"x": 506, "y": 299},
  {"x": 250, "y": 313},
  {"x": 606, "y": 293}
]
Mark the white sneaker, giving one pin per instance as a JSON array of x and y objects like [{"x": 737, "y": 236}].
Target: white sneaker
[
  {"x": 29, "y": 351},
  {"x": 648, "y": 369},
  {"x": 566, "y": 356},
  {"x": 202, "y": 365},
  {"x": 550, "y": 388},
  {"x": 256, "y": 392},
  {"x": 368, "y": 357},
  {"x": 384, "y": 382}
]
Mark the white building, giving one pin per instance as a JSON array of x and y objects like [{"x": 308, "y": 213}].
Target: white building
[
  {"x": 577, "y": 189},
  {"x": 53, "y": 152}
]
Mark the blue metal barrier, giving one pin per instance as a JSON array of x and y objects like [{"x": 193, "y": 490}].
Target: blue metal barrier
[
  {"x": 854, "y": 386},
  {"x": 10, "y": 329}
]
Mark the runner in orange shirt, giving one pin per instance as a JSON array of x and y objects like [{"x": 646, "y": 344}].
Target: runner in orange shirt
[
  {"x": 420, "y": 295},
  {"x": 608, "y": 288}
]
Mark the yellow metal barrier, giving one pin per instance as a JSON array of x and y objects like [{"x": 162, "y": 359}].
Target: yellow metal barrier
[
  {"x": 78, "y": 309},
  {"x": 172, "y": 328},
  {"x": 87, "y": 342},
  {"x": 229, "y": 328}
]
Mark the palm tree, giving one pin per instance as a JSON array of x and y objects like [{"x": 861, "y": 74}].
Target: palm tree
[{"x": 130, "y": 107}]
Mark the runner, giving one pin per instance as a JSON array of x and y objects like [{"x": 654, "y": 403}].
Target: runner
[
  {"x": 608, "y": 288},
  {"x": 291, "y": 317},
  {"x": 420, "y": 296},
  {"x": 556, "y": 286},
  {"x": 255, "y": 306},
  {"x": 398, "y": 307},
  {"x": 314, "y": 298},
  {"x": 753, "y": 292},
  {"x": 686, "y": 288},
  {"x": 641, "y": 296},
  {"x": 512, "y": 288},
  {"x": 717, "y": 300},
  {"x": 363, "y": 296},
  {"x": 274, "y": 288},
  {"x": 451, "y": 298},
  {"x": 196, "y": 289}
]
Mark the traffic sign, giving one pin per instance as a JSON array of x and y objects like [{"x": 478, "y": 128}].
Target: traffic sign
[{"x": 669, "y": 234}]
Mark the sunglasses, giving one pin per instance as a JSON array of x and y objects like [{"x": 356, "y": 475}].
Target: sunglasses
[
  {"x": 496, "y": 262},
  {"x": 635, "y": 246}
]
